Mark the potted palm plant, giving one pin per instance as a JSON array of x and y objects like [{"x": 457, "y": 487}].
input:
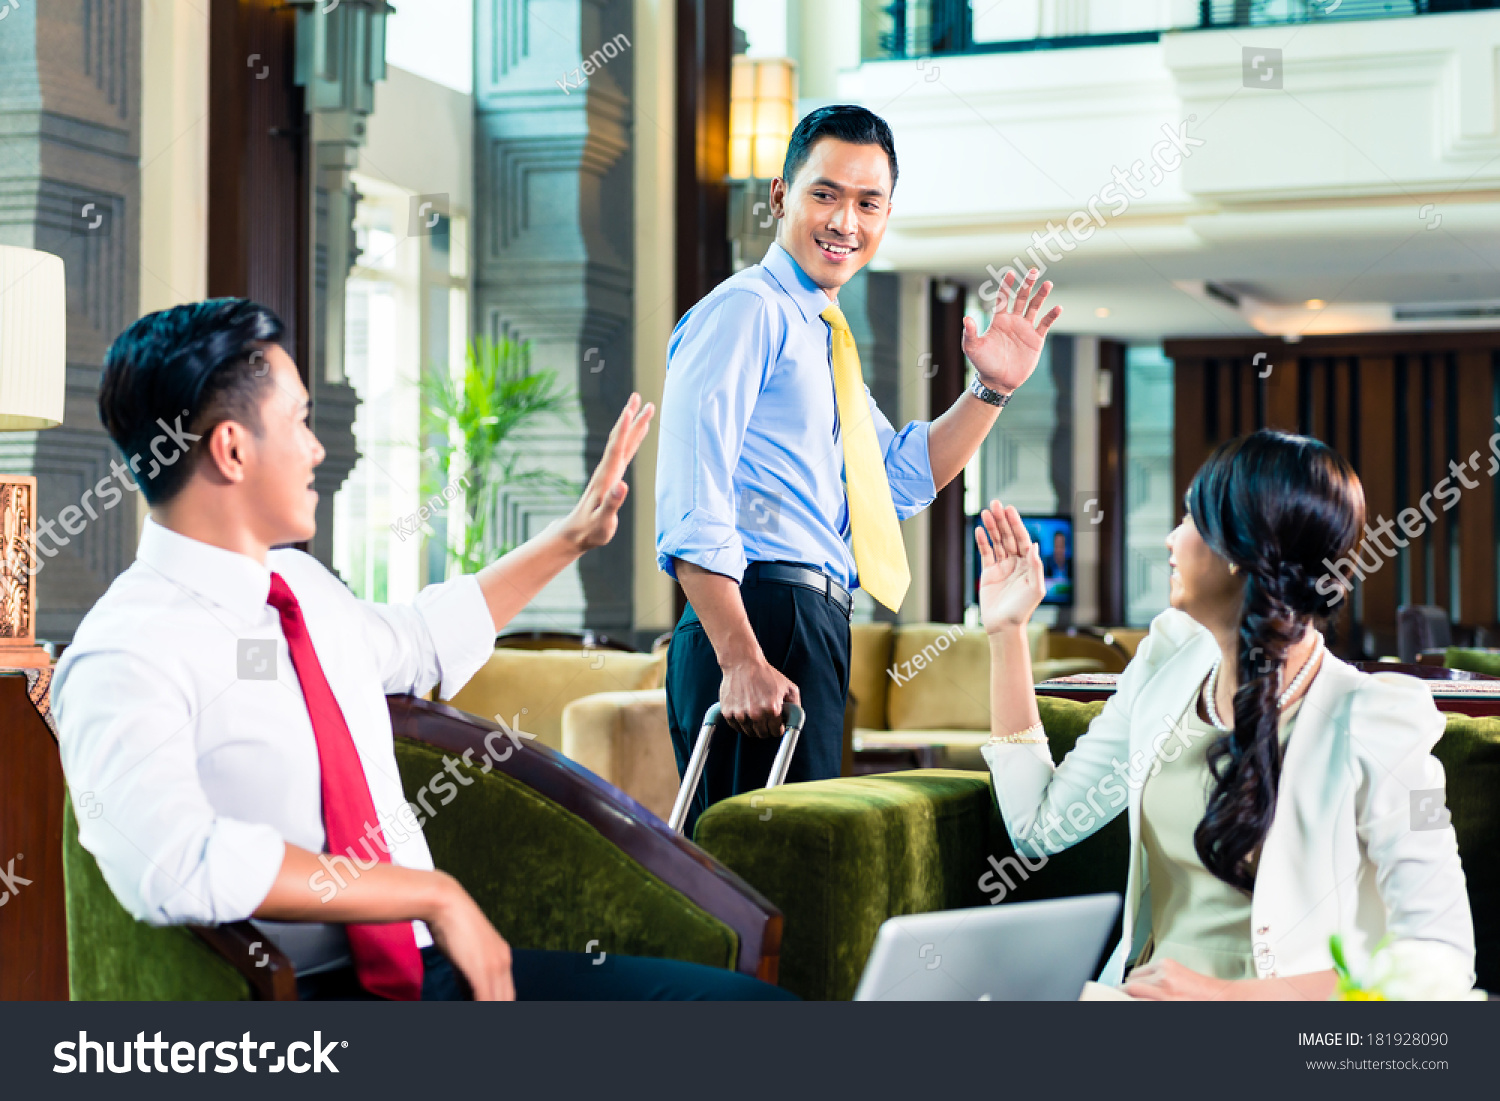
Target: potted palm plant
[{"x": 473, "y": 424}]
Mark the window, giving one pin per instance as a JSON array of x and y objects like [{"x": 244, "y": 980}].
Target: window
[
  {"x": 1150, "y": 511},
  {"x": 405, "y": 312}
]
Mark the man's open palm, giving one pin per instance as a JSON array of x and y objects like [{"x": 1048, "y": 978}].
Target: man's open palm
[
  {"x": 1006, "y": 353},
  {"x": 593, "y": 521}
]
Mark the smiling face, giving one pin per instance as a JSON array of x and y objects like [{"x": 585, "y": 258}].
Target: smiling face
[
  {"x": 279, "y": 462},
  {"x": 1202, "y": 585},
  {"x": 834, "y": 214}
]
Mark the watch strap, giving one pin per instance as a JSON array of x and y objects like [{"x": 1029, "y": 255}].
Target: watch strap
[{"x": 989, "y": 397}]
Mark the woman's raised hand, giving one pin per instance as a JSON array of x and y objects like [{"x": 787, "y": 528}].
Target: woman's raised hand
[{"x": 1012, "y": 585}]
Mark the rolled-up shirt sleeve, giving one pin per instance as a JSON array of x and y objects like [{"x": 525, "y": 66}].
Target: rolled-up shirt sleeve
[
  {"x": 716, "y": 368},
  {"x": 907, "y": 465},
  {"x": 441, "y": 638},
  {"x": 140, "y": 805}
]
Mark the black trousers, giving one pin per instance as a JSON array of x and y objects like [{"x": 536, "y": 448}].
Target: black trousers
[
  {"x": 565, "y": 976},
  {"x": 804, "y": 635}
]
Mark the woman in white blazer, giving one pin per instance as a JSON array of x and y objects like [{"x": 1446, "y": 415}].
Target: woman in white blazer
[{"x": 1275, "y": 794}]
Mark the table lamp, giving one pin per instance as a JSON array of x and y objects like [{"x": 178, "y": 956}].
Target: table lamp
[{"x": 33, "y": 380}]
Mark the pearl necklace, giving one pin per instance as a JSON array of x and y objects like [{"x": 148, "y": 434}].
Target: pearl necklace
[{"x": 1291, "y": 689}]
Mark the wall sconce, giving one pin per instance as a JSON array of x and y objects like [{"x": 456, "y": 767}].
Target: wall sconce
[
  {"x": 762, "y": 101},
  {"x": 341, "y": 53},
  {"x": 762, "y": 113}
]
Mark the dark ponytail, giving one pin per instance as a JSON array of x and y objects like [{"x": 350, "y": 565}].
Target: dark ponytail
[{"x": 1274, "y": 506}]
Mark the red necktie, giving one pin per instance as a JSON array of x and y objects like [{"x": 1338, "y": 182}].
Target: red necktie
[{"x": 386, "y": 957}]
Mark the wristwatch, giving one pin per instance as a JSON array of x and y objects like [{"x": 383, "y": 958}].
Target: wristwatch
[{"x": 996, "y": 398}]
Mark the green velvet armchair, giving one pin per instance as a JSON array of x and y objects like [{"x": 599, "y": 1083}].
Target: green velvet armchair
[
  {"x": 554, "y": 856},
  {"x": 1486, "y": 662},
  {"x": 839, "y": 857}
]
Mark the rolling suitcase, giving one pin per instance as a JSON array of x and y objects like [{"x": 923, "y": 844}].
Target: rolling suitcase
[{"x": 791, "y": 728}]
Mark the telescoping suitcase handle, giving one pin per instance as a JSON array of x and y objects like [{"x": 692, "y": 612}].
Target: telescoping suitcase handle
[{"x": 791, "y": 728}]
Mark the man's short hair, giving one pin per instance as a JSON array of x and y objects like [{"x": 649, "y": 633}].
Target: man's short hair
[
  {"x": 196, "y": 365},
  {"x": 844, "y": 121}
]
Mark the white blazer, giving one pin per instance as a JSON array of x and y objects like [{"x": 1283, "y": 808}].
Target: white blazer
[{"x": 1342, "y": 854}]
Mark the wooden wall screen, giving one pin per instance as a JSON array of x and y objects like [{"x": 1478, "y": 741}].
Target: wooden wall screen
[
  {"x": 1401, "y": 408},
  {"x": 259, "y": 190},
  {"x": 948, "y": 527},
  {"x": 705, "y": 52}
]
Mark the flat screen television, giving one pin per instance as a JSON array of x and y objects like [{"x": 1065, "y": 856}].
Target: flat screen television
[{"x": 1054, "y": 534}]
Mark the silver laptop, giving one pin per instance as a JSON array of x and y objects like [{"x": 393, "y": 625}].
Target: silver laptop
[{"x": 1019, "y": 951}]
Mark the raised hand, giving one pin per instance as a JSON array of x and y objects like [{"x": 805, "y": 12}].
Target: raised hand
[
  {"x": 1006, "y": 353},
  {"x": 595, "y": 517},
  {"x": 1012, "y": 585}
]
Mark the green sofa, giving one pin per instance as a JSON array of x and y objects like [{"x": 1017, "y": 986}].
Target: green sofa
[
  {"x": 556, "y": 858},
  {"x": 1471, "y": 660},
  {"x": 839, "y": 857}
]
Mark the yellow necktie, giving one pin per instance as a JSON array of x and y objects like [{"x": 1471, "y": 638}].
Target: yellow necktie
[{"x": 879, "y": 553}]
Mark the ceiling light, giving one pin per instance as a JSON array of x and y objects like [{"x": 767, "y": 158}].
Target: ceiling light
[
  {"x": 1102, "y": 311},
  {"x": 1315, "y": 303}
]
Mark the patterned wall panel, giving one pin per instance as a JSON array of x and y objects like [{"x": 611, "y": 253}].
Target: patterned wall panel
[
  {"x": 553, "y": 222},
  {"x": 70, "y": 185}
]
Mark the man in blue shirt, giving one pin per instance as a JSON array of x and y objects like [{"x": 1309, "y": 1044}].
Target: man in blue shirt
[{"x": 756, "y": 473}]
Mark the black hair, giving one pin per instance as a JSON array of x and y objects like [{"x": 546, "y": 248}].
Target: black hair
[
  {"x": 843, "y": 121},
  {"x": 1274, "y": 505},
  {"x": 182, "y": 371}
]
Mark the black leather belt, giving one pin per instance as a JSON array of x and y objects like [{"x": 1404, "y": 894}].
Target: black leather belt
[{"x": 805, "y": 576}]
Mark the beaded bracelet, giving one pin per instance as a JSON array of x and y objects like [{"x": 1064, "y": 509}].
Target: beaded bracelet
[{"x": 1035, "y": 734}]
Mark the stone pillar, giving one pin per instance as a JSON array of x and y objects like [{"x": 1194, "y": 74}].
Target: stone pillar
[
  {"x": 334, "y": 400},
  {"x": 70, "y": 133},
  {"x": 340, "y": 58},
  {"x": 553, "y": 217}
]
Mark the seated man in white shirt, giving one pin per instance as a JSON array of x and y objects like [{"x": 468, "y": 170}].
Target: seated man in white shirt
[{"x": 213, "y": 795}]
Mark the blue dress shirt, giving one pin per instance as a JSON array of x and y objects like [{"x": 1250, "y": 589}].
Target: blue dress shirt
[{"x": 750, "y": 465}]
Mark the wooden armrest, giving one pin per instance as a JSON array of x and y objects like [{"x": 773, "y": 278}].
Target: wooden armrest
[
  {"x": 266, "y": 968},
  {"x": 632, "y": 828}
]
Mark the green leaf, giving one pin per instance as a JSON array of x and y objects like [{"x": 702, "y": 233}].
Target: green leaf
[{"x": 473, "y": 423}]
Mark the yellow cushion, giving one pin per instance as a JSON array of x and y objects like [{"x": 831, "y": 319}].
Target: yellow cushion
[
  {"x": 940, "y": 678},
  {"x": 901, "y": 739},
  {"x": 623, "y": 737},
  {"x": 955, "y": 748},
  {"x": 870, "y": 656},
  {"x": 1036, "y": 635},
  {"x": 528, "y": 689}
]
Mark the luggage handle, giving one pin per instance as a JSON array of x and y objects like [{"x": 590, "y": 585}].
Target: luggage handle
[{"x": 792, "y": 718}]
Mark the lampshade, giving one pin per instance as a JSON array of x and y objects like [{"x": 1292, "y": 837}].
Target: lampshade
[
  {"x": 33, "y": 339},
  {"x": 762, "y": 109}
]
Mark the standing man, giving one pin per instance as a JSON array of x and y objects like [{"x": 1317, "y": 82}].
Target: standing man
[{"x": 779, "y": 481}]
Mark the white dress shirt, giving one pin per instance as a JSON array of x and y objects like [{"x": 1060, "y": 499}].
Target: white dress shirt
[{"x": 187, "y": 744}]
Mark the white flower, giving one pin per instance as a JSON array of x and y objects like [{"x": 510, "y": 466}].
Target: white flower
[{"x": 1419, "y": 971}]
